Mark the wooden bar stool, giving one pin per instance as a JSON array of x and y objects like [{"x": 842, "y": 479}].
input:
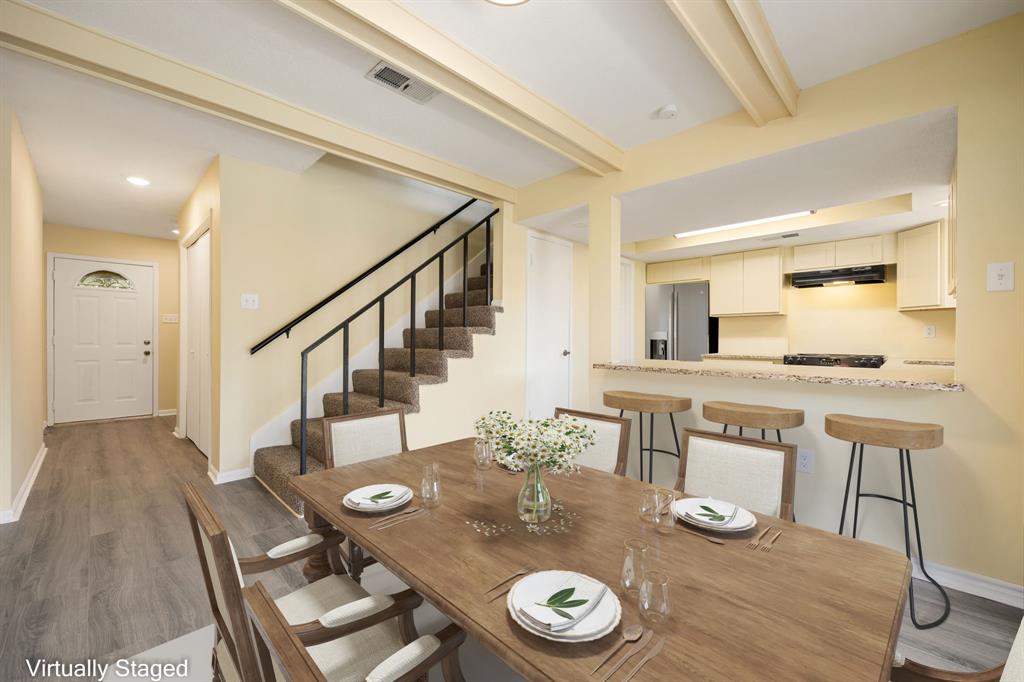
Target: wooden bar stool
[
  {"x": 764, "y": 417},
  {"x": 650, "y": 404},
  {"x": 904, "y": 436}
]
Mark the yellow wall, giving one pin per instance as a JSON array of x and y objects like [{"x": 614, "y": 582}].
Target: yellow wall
[
  {"x": 22, "y": 412},
  {"x": 103, "y": 244},
  {"x": 851, "y": 319},
  {"x": 977, "y": 475}
]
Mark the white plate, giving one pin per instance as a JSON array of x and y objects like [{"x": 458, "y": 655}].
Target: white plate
[
  {"x": 744, "y": 519},
  {"x": 598, "y": 623},
  {"x": 402, "y": 495}
]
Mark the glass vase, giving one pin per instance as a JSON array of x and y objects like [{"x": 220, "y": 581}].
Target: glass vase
[{"x": 534, "y": 505}]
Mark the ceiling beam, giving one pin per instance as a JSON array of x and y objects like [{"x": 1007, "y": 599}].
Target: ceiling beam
[
  {"x": 392, "y": 33},
  {"x": 38, "y": 33},
  {"x": 735, "y": 37}
]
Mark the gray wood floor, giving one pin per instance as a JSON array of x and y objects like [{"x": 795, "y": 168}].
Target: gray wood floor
[{"x": 102, "y": 563}]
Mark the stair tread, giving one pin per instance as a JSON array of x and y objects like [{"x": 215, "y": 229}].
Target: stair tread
[
  {"x": 359, "y": 403},
  {"x": 400, "y": 374}
]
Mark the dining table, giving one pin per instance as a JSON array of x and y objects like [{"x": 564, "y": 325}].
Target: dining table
[{"x": 818, "y": 606}]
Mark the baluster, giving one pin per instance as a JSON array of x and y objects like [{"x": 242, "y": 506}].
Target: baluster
[
  {"x": 440, "y": 294},
  {"x": 380, "y": 357},
  {"x": 303, "y": 417},
  {"x": 465, "y": 281},
  {"x": 344, "y": 369},
  {"x": 412, "y": 324},
  {"x": 487, "y": 260}
]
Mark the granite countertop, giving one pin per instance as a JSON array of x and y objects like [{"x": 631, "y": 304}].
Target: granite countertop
[
  {"x": 936, "y": 363},
  {"x": 894, "y": 374},
  {"x": 740, "y": 356}
]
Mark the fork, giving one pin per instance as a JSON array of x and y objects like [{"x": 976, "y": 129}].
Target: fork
[
  {"x": 768, "y": 547},
  {"x": 522, "y": 571},
  {"x": 753, "y": 543},
  {"x": 654, "y": 651},
  {"x": 388, "y": 519}
]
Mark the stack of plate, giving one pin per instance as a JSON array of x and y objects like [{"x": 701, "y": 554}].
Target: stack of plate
[
  {"x": 690, "y": 508},
  {"x": 381, "y": 497},
  {"x": 536, "y": 587}
]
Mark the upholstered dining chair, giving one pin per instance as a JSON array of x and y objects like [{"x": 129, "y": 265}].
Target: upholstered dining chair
[
  {"x": 906, "y": 670},
  {"x": 330, "y": 607},
  {"x": 285, "y": 656},
  {"x": 610, "y": 451},
  {"x": 356, "y": 438},
  {"x": 755, "y": 474}
]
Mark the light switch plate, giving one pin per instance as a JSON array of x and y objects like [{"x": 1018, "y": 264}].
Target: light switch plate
[
  {"x": 999, "y": 277},
  {"x": 250, "y": 301},
  {"x": 169, "y": 318},
  {"x": 929, "y": 331}
]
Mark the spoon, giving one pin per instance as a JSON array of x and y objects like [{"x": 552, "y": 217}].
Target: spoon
[{"x": 629, "y": 634}]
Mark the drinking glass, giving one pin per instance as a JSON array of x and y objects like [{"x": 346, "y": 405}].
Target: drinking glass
[
  {"x": 430, "y": 486},
  {"x": 664, "y": 519},
  {"x": 648, "y": 505},
  {"x": 653, "y": 598},
  {"x": 482, "y": 454},
  {"x": 634, "y": 563}
]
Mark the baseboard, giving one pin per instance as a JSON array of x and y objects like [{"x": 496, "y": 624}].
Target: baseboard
[
  {"x": 178, "y": 434},
  {"x": 220, "y": 477},
  {"x": 167, "y": 413},
  {"x": 14, "y": 513},
  {"x": 972, "y": 583}
]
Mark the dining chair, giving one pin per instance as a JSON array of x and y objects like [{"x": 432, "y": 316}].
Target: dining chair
[
  {"x": 285, "y": 656},
  {"x": 329, "y": 607},
  {"x": 356, "y": 438},
  {"x": 610, "y": 451},
  {"x": 906, "y": 670},
  {"x": 755, "y": 474}
]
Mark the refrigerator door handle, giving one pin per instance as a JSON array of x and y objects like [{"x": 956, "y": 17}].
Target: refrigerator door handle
[{"x": 673, "y": 332}]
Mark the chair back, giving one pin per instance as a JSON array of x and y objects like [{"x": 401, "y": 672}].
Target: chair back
[
  {"x": 359, "y": 437},
  {"x": 282, "y": 656},
  {"x": 222, "y": 577},
  {"x": 610, "y": 451},
  {"x": 755, "y": 474}
]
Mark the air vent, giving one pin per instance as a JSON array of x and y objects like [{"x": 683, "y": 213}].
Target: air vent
[
  {"x": 788, "y": 235},
  {"x": 391, "y": 78}
]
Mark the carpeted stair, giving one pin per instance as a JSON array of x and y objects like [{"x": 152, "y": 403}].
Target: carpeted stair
[{"x": 275, "y": 466}]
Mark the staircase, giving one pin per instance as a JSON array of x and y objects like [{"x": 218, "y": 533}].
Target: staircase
[{"x": 275, "y": 466}]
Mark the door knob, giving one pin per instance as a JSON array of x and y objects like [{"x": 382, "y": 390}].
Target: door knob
[
  {"x": 145, "y": 352},
  {"x": 564, "y": 353},
  {"x": 146, "y": 342}
]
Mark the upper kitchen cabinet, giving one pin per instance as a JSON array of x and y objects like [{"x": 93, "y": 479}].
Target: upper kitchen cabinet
[
  {"x": 814, "y": 256},
  {"x": 689, "y": 270},
  {"x": 922, "y": 268},
  {"x": 846, "y": 253},
  {"x": 863, "y": 251},
  {"x": 748, "y": 283}
]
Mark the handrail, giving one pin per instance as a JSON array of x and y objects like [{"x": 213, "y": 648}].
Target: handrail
[
  {"x": 287, "y": 328},
  {"x": 379, "y": 302}
]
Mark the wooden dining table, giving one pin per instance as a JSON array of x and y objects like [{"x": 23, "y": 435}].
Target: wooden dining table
[{"x": 817, "y": 607}]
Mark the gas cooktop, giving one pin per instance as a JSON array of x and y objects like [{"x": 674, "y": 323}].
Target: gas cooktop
[{"x": 834, "y": 360}]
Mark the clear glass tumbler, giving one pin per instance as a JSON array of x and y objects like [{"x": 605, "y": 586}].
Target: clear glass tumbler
[
  {"x": 664, "y": 519},
  {"x": 482, "y": 454},
  {"x": 430, "y": 486},
  {"x": 648, "y": 505},
  {"x": 634, "y": 565},
  {"x": 653, "y": 599}
]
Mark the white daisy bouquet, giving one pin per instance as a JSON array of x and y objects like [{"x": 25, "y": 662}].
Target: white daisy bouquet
[{"x": 549, "y": 444}]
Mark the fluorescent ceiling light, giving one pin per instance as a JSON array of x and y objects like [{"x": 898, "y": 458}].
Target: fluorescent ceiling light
[
  {"x": 508, "y": 3},
  {"x": 745, "y": 223},
  {"x": 137, "y": 181}
]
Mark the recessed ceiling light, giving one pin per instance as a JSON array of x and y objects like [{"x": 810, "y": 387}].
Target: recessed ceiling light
[
  {"x": 944, "y": 203},
  {"x": 508, "y": 3},
  {"x": 745, "y": 223},
  {"x": 175, "y": 231},
  {"x": 137, "y": 181}
]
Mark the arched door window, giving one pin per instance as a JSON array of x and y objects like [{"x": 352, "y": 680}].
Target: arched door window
[{"x": 105, "y": 279}]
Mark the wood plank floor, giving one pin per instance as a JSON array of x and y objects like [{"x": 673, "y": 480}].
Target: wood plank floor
[{"x": 102, "y": 563}]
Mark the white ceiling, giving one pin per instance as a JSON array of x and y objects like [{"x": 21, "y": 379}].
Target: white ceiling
[
  {"x": 824, "y": 39},
  {"x": 611, "y": 64},
  {"x": 265, "y": 46},
  {"x": 86, "y": 135},
  {"x": 912, "y": 155}
]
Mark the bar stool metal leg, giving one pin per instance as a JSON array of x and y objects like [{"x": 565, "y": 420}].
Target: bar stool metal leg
[
  {"x": 725, "y": 428},
  {"x": 856, "y": 500},
  {"x": 778, "y": 434},
  {"x": 846, "y": 496},
  {"x": 675, "y": 434},
  {"x": 641, "y": 420},
  {"x": 650, "y": 451},
  {"x": 920, "y": 549}
]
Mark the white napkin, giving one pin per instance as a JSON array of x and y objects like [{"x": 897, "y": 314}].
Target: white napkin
[
  {"x": 398, "y": 496},
  {"x": 583, "y": 588},
  {"x": 726, "y": 509}
]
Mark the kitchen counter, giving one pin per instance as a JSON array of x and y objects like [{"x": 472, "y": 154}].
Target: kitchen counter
[
  {"x": 736, "y": 356},
  {"x": 894, "y": 374},
  {"x": 936, "y": 363}
]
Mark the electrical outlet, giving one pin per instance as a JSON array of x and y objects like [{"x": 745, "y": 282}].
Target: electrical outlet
[
  {"x": 999, "y": 277},
  {"x": 929, "y": 331},
  {"x": 250, "y": 301},
  {"x": 805, "y": 461}
]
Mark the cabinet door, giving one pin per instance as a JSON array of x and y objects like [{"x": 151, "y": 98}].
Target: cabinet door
[
  {"x": 726, "y": 284},
  {"x": 659, "y": 273},
  {"x": 863, "y": 251},
  {"x": 690, "y": 270},
  {"x": 814, "y": 256},
  {"x": 762, "y": 281},
  {"x": 918, "y": 268}
]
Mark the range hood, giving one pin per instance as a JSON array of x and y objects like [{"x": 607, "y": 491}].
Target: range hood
[{"x": 867, "y": 274}]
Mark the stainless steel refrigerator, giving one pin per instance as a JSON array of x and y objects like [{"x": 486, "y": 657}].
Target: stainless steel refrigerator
[{"x": 677, "y": 323}]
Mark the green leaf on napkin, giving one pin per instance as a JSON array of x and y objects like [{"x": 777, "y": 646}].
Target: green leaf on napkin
[
  {"x": 563, "y": 600},
  {"x": 380, "y": 497},
  {"x": 711, "y": 514}
]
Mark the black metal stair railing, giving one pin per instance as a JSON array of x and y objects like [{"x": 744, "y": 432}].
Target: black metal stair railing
[{"x": 378, "y": 302}]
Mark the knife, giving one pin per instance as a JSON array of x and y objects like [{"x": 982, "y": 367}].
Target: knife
[
  {"x": 635, "y": 648},
  {"x": 655, "y": 650}
]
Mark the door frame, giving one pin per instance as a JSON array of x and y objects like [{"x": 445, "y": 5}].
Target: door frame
[
  {"x": 547, "y": 236},
  {"x": 180, "y": 427},
  {"x": 51, "y": 257},
  {"x": 630, "y": 305}
]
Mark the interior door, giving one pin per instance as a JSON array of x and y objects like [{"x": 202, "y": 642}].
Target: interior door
[
  {"x": 198, "y": 397},
  {"x": 103, "y": 350},
  {"x": 548, "y": 326}
]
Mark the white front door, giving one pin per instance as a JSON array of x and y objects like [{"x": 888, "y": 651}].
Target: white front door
[
  {"x": 548, "y": 326},
  {"x": 197, "y": 402},
  {"x": 103, "y": 345}
]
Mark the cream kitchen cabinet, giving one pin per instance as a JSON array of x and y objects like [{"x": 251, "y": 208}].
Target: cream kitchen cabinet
[
  {"x": 814, "y": 256},
  {"x": 688, "y": 270},
  {"x": 748, "y": 283},
  {"x": 725, "y": 295},
  {"x": 922, "y": 268},
  {"x": 660, "y": 273},
  {"x": 863, "y": 251}
]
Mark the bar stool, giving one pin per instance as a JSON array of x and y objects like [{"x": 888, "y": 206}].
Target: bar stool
[
  {"x": 764, "y": 417},
  {"x": 904, "y": 436},
  {"x": 651, "y": 404}
]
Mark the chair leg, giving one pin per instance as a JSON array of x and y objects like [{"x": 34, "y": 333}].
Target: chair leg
[
  {"x": 856, "y": 500},
  {"x": 450, "y": 668},
  {"x": 407, "y": 628},
  {"x": 846, "y": 495},
  {"x": 725, "y": 428},
  {"x": 741, "y": 432},
  {"x": 920, "y": 548}
]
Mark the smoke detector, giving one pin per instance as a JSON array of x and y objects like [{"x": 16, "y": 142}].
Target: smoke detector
[{"x": 392, "y": 78}]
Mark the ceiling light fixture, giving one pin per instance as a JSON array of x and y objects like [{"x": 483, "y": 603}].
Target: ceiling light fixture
[
  {"x": 508, "y": 3},
  {"x": 745, "y": 223},
  {"x": 175, "y": 231},
  {"x": 944, "y": 203},
  {"x": 137, "y": 181}
]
